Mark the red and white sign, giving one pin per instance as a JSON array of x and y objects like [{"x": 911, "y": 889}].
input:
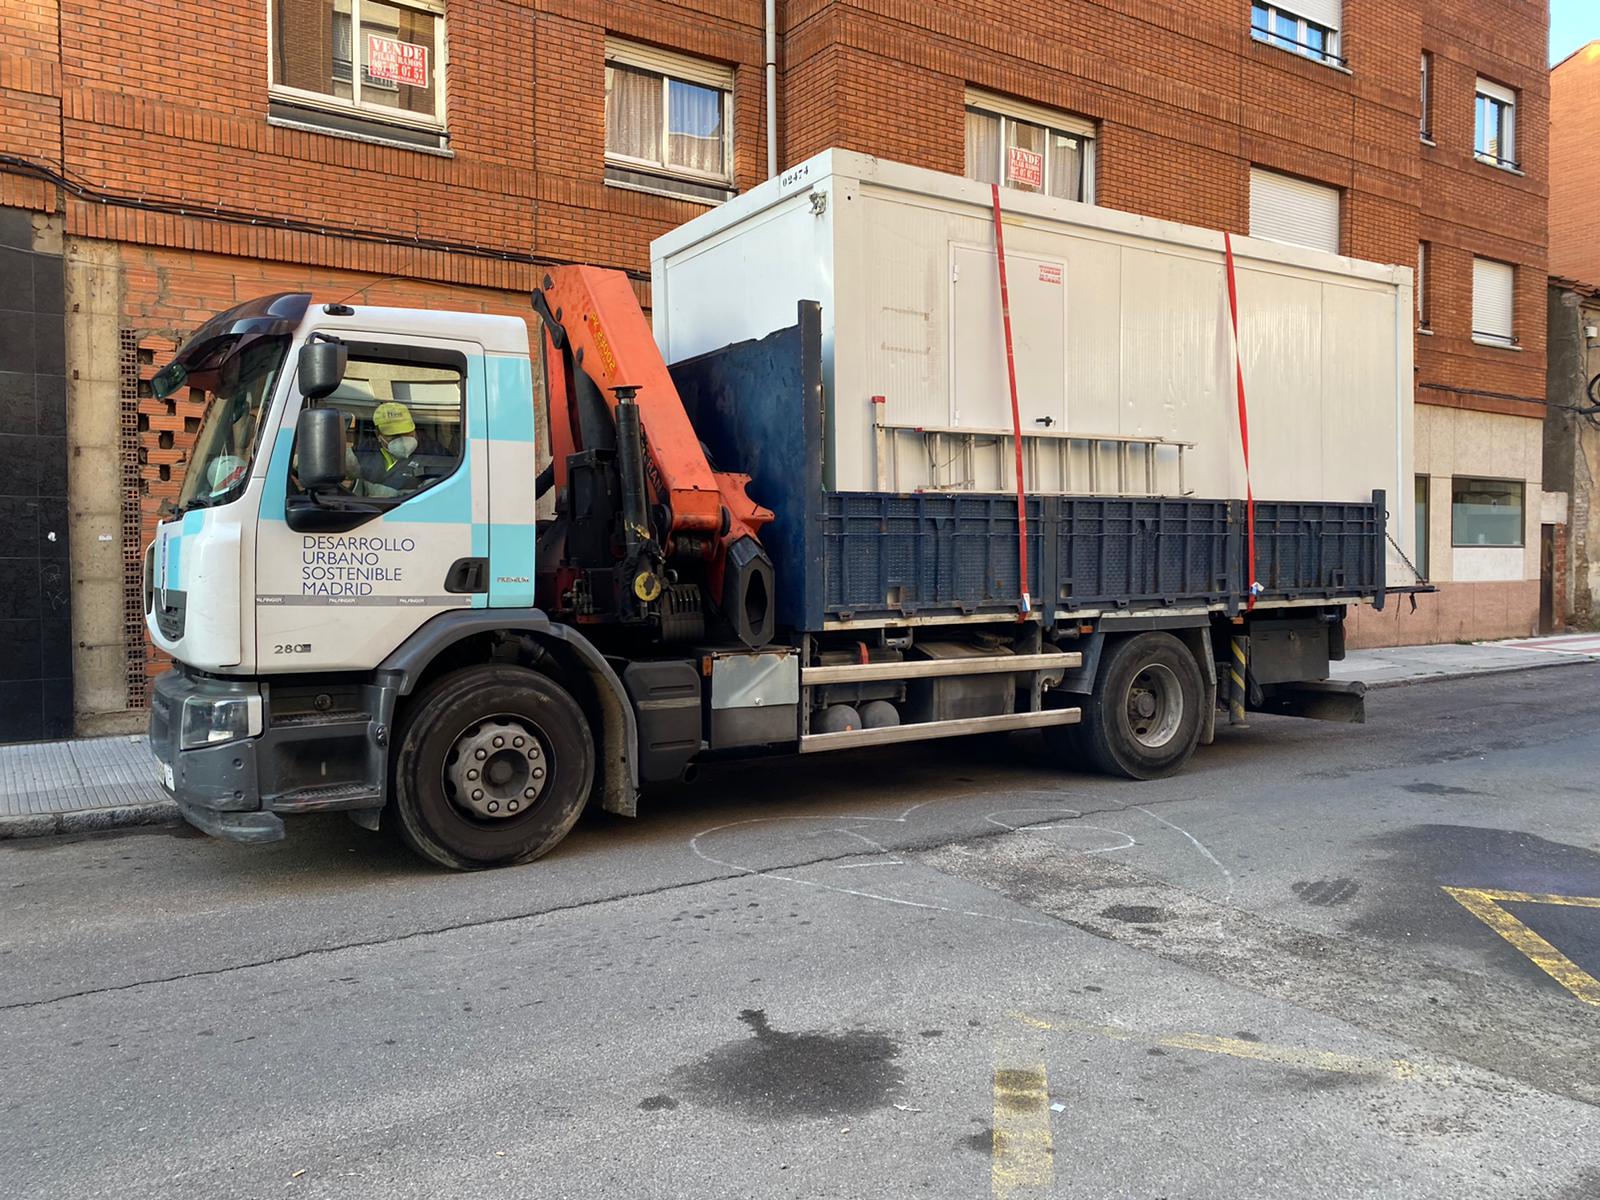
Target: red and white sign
[
  {"x": 1049, "y": 273},
  {"x": 398, "y": 62},
  {"x": 1024, "y": 167}
]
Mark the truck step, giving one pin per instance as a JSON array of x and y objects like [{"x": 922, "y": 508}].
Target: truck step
[
  {"x": 327, "y": 799},
  {"x": 927, "y": 730},
  {"x": 999, "y": 664}
]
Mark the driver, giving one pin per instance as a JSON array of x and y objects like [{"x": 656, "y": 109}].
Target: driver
[{"x": 388, "y": 466}]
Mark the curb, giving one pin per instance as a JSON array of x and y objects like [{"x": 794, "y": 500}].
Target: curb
[
  {"x": 1445, "y": 676},
  {"x": 89, "y": 820}
]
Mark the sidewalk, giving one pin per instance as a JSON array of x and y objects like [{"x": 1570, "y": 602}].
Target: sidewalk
[{"x": 112, "y": 783}]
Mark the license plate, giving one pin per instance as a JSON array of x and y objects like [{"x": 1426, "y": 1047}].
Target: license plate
[{"x": 168, "y": 778}]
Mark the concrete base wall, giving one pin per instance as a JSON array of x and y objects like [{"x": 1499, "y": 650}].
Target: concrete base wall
[{"x": 1457, "y": 612}]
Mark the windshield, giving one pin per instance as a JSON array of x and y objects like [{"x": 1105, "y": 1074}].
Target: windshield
[{"x": 237, "y": 375}]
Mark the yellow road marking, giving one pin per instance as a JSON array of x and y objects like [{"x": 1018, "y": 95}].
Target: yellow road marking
[
  {"x": 1242, "y": 1048},
  {"x": 1024, "y": 1156},
  {"x": 1485, "y": 904}
]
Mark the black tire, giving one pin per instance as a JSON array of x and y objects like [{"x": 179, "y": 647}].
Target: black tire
[
  {"x": 441, "y": 733},
  {"x": 1118, "y": 736}
]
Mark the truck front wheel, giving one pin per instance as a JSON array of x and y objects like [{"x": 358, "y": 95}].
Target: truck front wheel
[
  {"x": 493, "y": 766},
  {"x": 1143, "y": 719}
]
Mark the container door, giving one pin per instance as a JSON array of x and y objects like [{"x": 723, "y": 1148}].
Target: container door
[{"x": 981, "y": 397}]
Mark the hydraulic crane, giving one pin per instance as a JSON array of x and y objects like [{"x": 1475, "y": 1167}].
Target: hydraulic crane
[{"x": 648, "y": 533}]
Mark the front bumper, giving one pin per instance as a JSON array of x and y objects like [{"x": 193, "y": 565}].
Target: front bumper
[{"x": 241, "y": 790}]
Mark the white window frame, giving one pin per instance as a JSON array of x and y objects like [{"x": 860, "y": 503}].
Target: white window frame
[
  {"x": 684, "y": 69},
  {"x": 1331, "y": 34},
  {"x": 355, "y": 106},
  {"x": 1490, "y": 337},
  {"x": 1506, "y": 100},
  {"x": 1424, "y": 268},
  {"x": 1051, "y": 120},
  {"x": 1427, "y": 97}
]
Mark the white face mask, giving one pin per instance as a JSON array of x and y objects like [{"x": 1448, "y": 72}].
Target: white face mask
[{"x": 402, "y": 447}]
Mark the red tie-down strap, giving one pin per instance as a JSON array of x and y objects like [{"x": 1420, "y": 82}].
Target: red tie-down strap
[
  {"x": 1025, "y": 604},
  {"x": 1244, "y": 425}
]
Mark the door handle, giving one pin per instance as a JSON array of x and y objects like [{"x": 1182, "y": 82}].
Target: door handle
[{"x": 467, "y": 575}]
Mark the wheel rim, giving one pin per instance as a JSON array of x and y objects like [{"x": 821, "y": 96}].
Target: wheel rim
[
  {"x": 497, "y": 768},
  {"x": 1155, "y": 706}
]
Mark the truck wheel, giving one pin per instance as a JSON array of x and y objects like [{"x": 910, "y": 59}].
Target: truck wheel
[
  {"x": 493, "y": 766},
  {"x": 1143, "y": 719}
]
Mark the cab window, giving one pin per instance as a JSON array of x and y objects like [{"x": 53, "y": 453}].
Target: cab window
[{"x": 404, "y": 416}]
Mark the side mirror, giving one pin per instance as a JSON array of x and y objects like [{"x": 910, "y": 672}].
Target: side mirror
[
  {"x": 319, "y": 447},
  {"x": 322, "y": 364}
]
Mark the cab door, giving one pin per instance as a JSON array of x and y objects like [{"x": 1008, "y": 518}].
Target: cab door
[{"x": 338, "y": 587}]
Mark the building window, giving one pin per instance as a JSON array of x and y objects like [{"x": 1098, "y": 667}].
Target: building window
[
  {"x": 1421, "y": 560},
  {"x": 1486, "y": 512},
  {"x": 1308, "y": 27},
  {"x": 1493, "y": 302},
  {"x": 1030, "y": 149},
  {"x": 1424, "y": 252},
  {"x": 1497, "y": 125},
  {"x": 360, "y": 66},
  {"x": 1427, "y": 97},
  {"x": 669, "y": 122},
  {"x": 1286, "y": 209}
]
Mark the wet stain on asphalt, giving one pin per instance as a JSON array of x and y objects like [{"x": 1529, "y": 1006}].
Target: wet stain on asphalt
[
  {"x": 776, "y": 1074},
  {"x": 657, "y": 1103},
  {"x": 1438, "y": 789},
  {"x": 1325, "y": 893},
  {"x": 982, "y": 1142}
]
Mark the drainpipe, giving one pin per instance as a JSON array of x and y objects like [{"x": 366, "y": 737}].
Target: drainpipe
[{"x": 772, "y": 88}]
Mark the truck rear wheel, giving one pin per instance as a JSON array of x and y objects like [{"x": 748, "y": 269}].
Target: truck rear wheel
[
  {"x": 1143, "y": 719},
  {"x": 493, "y": 766}
]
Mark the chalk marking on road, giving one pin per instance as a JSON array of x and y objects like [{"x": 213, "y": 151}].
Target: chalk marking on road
[
  {"x": 704, "y": 856},
  {"x": 1023, "y": 1161},
  {"x": 1070, "y": 823},
  {"x": 1241, "y": 1048},
  {"x": 1486, "y": 905},
  {"x": 1198, "y": 844}
]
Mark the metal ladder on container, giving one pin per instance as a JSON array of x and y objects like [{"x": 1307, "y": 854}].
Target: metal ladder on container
[{"x": 944, "y": 446}]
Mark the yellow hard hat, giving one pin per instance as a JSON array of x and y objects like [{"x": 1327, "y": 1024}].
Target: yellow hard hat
[{"x": 393, "y": 418}]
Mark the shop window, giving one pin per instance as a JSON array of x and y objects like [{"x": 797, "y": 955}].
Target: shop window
[{"x": 1486, "y": 512}]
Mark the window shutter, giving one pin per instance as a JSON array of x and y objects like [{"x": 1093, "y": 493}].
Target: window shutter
[
  {"x": 1323, "y": 12},
  {"x": 1495, "y": 92},
  {"x": 1493, "y": 289},
  {"x": 1283, "y": 209}
]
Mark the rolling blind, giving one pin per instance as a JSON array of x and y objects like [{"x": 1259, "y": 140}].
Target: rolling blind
[
  {"x": 1493, "y": 288},
  {"x": 1284, "y": 209},
  {"x": 1323, "y": 12}
]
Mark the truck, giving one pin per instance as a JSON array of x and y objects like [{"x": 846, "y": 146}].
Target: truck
[{"x": 896, "y": 456}]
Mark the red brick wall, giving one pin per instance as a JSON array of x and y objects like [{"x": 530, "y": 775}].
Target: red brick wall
[
  {"x": 1186, "y": 102},
  {"x": 1575, "y": 165}
]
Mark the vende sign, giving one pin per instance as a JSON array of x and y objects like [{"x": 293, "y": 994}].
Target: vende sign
[
  {"x": 1025, "y": 167},
  {"x": 398, "y": 62}
]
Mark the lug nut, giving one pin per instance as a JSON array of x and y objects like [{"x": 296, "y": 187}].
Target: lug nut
[
  {"x": 499, "y": 741},
  {"x": 517, "y": 742},
  {"x": 477, "y": 795},
  {"x": 472, "y": 774},
  {"x": 538, "y": 772},
  {"x": 511, "y": 806},
  {"x": 480, "y": 754},
  {"x": 494, "y": 806},
  {"x": 530, "y": 793}
]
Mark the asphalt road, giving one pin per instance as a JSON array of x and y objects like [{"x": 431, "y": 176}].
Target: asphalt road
[{"x": 1310, "y": 966}]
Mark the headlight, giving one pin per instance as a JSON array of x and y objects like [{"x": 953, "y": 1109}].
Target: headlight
[{"x": 208, "y": 721}]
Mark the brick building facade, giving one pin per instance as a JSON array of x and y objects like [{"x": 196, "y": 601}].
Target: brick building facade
[{"x": 434, "y": 153}]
